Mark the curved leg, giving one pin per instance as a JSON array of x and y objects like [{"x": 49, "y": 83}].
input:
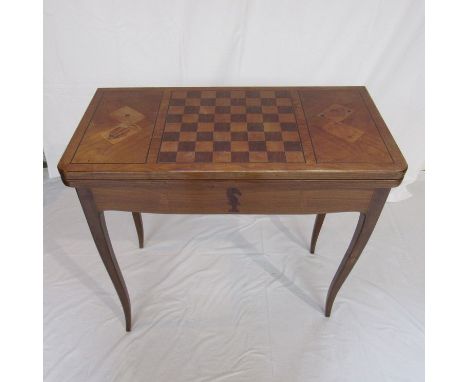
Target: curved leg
[
  {"x": 315, "y": 233},
  {"x": 139, "y": 227},
  {"x": 365, "y": 226},
  {"x": 98, "y": 228}
]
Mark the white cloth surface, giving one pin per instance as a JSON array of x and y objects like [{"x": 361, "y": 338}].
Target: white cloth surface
[
  {"x": 233, "y": 298},
  {"x": 380, "y": 44}
]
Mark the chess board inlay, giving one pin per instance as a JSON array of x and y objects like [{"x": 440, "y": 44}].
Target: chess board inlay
[{"x": 230, "y": 126}]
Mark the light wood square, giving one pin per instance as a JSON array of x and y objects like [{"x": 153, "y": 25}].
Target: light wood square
[
  {"x": 254, "y": 118},
  {"x": 208, "y": 93},
  {"x": 238, "y": 126},
  {"x": 253, "y": 101},
  {"x": 271, "y": 127},
  {"x": 223, "y": 101},
  {"x": 190, "y": 118},
  {"x": 169, "y": 146},
  {"x": 192, "y": 102},
  {"x": 221, "y": 156},
  {"x": 269, "y": 110},
  {"x": 185, "y": 156},
  {"x": 239, "y": 146},
  {"x": 179, "y": 94},
  {"x": 275, "y": 146},
  {"x": 286, "y": 118},
  {"x": 238, "y": 94},
  {"x": 221, "y": 136},
  {"x": 294, "y": 157},
  {"x": 256, "y": 136},
  {"x": 205, "y": 126},
  {"x": 188, "y": 136},
  {"x": 172, "y": 127},
  {"x": 204, "y": 146},
  {"x": 290, "y": 136},
  {"x": 258, "y": 156},
  {"x": 176, "y": 110},
  {"x": 283, "y": 102},
  {"x": 207, "y": 110},
  {"x": 238, "y": 110}
]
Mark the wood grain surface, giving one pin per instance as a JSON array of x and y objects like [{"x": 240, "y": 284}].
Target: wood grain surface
[
  {"x": 284, "y": 150},
  {"x": 227, "y": 196},
  {"x": 232, "y": 133}
]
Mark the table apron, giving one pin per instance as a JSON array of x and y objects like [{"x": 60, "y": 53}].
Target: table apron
[{"x": 231, "y": 197}]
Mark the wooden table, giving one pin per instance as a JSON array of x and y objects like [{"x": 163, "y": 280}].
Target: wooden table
[{"x": 285, "y": 150}]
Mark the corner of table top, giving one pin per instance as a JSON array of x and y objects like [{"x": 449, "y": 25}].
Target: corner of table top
[{"x": 71, "y": 174}]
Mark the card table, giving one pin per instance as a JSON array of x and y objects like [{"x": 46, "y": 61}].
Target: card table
[{"x": 232, "y": 150}]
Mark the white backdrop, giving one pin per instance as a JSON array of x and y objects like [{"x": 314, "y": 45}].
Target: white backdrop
[{"x": 90, "y": 44}]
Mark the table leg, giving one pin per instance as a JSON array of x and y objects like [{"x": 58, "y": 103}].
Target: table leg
[
  {"x": 315, "y": 233},
  {"x": 364, "y": 229},
  {"x": 98, "y": 228},
  {"x": 139, "y": 227}
]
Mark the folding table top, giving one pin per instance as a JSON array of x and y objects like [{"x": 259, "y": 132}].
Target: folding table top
[{"x": 232, "y": 133}]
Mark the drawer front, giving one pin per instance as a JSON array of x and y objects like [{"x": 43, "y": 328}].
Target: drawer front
[{"x": 231, "y": 197}]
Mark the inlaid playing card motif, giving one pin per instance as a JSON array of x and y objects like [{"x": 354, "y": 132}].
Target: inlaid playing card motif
[
  {"x": 120, "y": 132},
  {"x": 336, "y": 112},
  {"x": 127, "y": 114},
  {"x": 343, "y": 131},
  {"x": 127, "y": 118},
  {"x": 334, "y": 115}
]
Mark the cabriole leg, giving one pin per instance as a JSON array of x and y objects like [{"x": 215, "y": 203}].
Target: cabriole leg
[
  {"x": 98, "y": 228},
  {"x": 139, "y": 227},
  {"x": 315, "y": 233},
  {"x": 364, "y": 229}
]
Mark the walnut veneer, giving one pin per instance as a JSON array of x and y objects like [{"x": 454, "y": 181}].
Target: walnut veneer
[{"x": 243, "y": 150}]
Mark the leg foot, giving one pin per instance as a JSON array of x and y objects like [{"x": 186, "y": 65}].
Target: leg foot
[
  {"x": 365, "y": 226},
  {"x": 315, "y": 233},
  {"x": 139, "y": 227},
  {"x": 98, "y": 228}
]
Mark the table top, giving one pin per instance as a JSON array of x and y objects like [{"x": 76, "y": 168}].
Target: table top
[{"x": 232, "y": 133}]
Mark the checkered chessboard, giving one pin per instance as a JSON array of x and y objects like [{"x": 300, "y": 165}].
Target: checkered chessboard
[{"x": 229, "y": 126}]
